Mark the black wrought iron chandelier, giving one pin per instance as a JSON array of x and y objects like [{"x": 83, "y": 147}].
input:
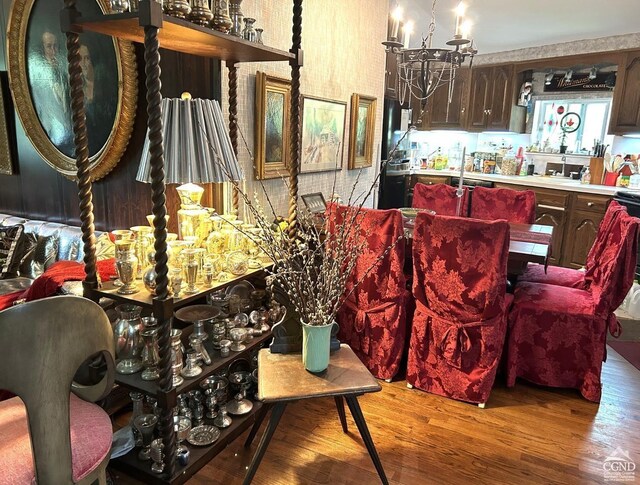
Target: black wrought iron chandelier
[{"x": 421, "y": 71}]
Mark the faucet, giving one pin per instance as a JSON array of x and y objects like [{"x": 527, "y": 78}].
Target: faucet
[{"x": 564, "y": 162}]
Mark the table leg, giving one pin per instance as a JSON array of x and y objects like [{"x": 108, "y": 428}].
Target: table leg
[
  {"x": 256, "y": 425},
  {"x": 358, "y": 417},
  {"x": 276, "y": 414},
  {"x": 341, "y": 413}
]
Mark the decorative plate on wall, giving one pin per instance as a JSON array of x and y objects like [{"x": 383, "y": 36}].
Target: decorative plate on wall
[{"x": 39, "y": 80}]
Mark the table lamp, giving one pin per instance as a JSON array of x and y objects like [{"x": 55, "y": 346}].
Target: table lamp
[{"x": 197, "y": 150}]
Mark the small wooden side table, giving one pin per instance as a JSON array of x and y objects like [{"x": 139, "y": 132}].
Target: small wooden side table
[{"x": 283, "y": 379}]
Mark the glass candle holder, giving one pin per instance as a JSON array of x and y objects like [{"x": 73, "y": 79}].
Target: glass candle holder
[
  {"x": 126, "y": 266},
  {"x": 190, "y": 268}
]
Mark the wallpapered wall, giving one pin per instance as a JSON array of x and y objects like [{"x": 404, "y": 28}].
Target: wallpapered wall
[{"x": 342, "y": 55}]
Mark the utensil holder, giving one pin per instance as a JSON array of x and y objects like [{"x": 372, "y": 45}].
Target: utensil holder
[{"x": 596, "y": 167}]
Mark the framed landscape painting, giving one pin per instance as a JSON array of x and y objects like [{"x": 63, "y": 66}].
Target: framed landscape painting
[
  {"x": 361, "y": 131},
  {"x": 323, "y": 122},
  {"x": 273, "y": 106}
]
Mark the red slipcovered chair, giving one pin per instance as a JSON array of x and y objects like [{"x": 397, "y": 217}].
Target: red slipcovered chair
[
  {"x": 460, "y": 321},
  {"x": 439, "y": 198},
  {"x": 373, "y": 319},
  {"x": 513, "y": 205},
  {"x": 557, "y": 335},
  {"x": 572, "y": 278}
]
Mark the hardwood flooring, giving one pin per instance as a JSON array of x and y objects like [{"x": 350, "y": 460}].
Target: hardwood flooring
[{"x": 526, "y": 435}]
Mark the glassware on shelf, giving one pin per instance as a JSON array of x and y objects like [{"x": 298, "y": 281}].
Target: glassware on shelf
[
  {"x": 157, "y": 456},
  {"x": 137, "y": 399},
  {"x": 176, "y": 282},
  {"x": 191, "y": 215},
  {"x": 150, "y": 357},
  {"x": 237, "y": 263},
  {"x": 145, "y": 424},
  {"x": 207, "y": 274},
  {"x": 236, "y": 17},
  {"x": 149, "y": 275},
  {"x": 182, "y": 426},
  {"x": 225, "y": 348},
  {"x": 119, "y": 6},
  {"x": 126, "y": 334},
  {"x": 198, "y": 346},
  {"x": 211, "y": 403},
  {"x": 190, "y": 268},
  {"x": 191, "y": 369},
  {"x": 221, "y": 19},
  {"x": 143, "y": 236},
  {"x": 126, "y": 266},
  {"x": 259, "y": 36},
  {"x": 223, "y": 420},
  {"x": 201, "y": 254},
  {"x": 118, "y": 235},
  {"x": 238, "y": 335},
  {"x": 249, "y": 32},
  {"x": 176, "y": 356},
  {"x": 150, "y": 219},
  {"x": 200, "y": 12}
]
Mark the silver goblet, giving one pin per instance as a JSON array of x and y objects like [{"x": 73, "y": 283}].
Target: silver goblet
[{"x": 145, "y": 424}]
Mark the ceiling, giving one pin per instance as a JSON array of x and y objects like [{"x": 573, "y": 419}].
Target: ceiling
[{"x": 501, "y": 25}]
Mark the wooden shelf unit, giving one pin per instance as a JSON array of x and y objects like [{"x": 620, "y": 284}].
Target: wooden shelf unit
[{"x": 183, "y": 36}]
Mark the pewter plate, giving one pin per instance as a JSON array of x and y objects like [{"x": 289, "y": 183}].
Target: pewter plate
[
  {"x": 203, "y": 435},
  {"x": 242, "y": 289}
]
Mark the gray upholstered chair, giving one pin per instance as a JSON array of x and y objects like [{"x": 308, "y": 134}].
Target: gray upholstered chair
[{"x": 53, "y": 435}]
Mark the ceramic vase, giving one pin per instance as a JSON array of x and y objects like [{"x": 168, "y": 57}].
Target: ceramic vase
[{"x": 316, "y": 340}]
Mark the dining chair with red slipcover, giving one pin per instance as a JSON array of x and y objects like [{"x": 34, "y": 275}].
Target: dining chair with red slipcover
[
  {"x": 490, "y": 204},
  {"x": 439, "y": 198},
  {"x": 373, "y": 319},
  {"x": 51, "y": 433},
  {"x": 460, "y": 321},
  {"x": 557, "y": 335},
  {"x": 573, "y": 278}
]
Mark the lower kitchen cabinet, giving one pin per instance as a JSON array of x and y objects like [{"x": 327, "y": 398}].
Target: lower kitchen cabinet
[
  {"x": 556, "y": 217},
  {"x": 580, "y": 235}
]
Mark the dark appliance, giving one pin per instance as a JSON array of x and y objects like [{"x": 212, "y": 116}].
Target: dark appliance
[
  {"x": 470, "y": 184},
  {"x": 393, "y": 188},
  {"x": 632, "y": 202}
]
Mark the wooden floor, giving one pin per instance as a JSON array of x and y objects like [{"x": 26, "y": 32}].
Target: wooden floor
[{"x": 526, "y": 435}]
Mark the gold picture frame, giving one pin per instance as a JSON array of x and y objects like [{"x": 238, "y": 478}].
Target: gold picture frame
[
  {"x": 6, "y": 141},
  {"x": 323, "y": 128},
  {"x": 273, "y": 108},
  {"x": 361, "y": 131},
  {"x": 37, "y": 65}
]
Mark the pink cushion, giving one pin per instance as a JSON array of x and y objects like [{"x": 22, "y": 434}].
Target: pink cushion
[
  {"x": 91, "y": 436},
  {"x": 555, "y": 275}
]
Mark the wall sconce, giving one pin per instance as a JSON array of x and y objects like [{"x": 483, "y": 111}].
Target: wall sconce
[
  {"x": 548, "y": 78},
  {"x": 593, "y": 73}
]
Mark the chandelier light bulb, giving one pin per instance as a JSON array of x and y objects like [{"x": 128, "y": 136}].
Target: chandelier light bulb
[
  {"x": 466, "y": 29},
  {"x": 408, "y": 30},
  {"x": 396, "y": 15},
  {"x": 460, "y": 9}
]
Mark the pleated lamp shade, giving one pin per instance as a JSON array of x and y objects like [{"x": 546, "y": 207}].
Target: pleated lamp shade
[{"x": 197, "y": 147}]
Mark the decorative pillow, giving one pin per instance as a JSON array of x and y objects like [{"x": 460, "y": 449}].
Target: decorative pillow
[
  {"x": 9, "y": 239},
  {"x": 105, "y": 248},
  {"x": 40, "y": 257}
]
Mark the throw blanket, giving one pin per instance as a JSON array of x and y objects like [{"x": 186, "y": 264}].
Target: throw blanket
[{"x": 50, "y": 282}]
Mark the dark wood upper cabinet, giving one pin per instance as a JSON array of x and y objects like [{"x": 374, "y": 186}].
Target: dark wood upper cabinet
[
  {"x": 625, "y": 116},
  {"x": 493, "y": 100},
  {"x": 480, "y": 98},
  {"x": 443, "y": 114},
  {"x": 391, "y": 76}
]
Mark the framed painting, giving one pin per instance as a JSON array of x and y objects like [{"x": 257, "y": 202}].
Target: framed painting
[
  {"x": 273, "y": 107},
  {"x": 323, "y": 123},
  {"x": 39, "y": 80},
  {"x": 361, "y": 131},
  {"x": 315, "y": 202},
  {"x": 7, "y": 136}
]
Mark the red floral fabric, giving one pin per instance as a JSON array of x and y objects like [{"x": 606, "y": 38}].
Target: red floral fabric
[
  {"x": 513, "y": 205},
  {"x": 373, "y": 319},
  {"x": 439, "y": 198},
  {"x": 571, "y": 278},
  {"x": 557, "y": 335},
  {"x": 459, "y": 325}
]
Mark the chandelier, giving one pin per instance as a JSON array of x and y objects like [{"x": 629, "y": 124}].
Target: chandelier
[{"x": 423, "y": 70}]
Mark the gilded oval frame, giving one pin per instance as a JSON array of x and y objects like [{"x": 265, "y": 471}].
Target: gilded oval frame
[{"x": 110, "y": 154}]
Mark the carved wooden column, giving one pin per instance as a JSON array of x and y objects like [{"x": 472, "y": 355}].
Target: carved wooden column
[
  {"x": 233, "y": 120},
  {"x": 294, "y": 159}
]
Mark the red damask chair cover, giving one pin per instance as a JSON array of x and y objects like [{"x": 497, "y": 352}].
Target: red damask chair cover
[
  {"x": 557, "y": 335},
  {"x": 439, "y": 198},
  {"x": 373, "y": 319},
  {"x": 460, "y": 321},
  {"x": 572, "y": 278},
  {"x": 513, "y": 205}
]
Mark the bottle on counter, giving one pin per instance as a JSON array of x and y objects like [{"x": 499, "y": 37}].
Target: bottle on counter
[{"x": 586, "y": 176}]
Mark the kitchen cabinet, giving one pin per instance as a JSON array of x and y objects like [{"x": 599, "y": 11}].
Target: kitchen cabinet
[
  {"x": 625, "y": 114},
  {"x": 391, "y": 76},
  {"x": 581, "y": 233},
  {"x": 493, "y": 100},
  {"x": 440, "y": 114}
]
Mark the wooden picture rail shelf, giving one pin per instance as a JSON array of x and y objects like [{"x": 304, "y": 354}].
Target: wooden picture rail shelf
[{"x": 183, "y": 36}]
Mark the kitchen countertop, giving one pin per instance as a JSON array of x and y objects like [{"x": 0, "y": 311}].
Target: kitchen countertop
[{"x": 558, "y": 183}]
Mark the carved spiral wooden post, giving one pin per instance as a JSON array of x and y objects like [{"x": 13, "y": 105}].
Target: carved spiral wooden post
[
  {"x": 294, "y": 159},
  {"x": 156, "y": 153},
  {"x": 79, "y": 118},
  {"x": 233, "y": 119}
]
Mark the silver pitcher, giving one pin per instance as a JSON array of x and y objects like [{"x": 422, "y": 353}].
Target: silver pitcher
[{"x": 128, "y": 343}]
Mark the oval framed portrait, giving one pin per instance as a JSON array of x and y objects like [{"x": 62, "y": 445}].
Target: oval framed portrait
[{"x": 39, "y": 81}]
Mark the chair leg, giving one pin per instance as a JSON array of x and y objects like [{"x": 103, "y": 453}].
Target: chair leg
[
  {"x": 409, "y": 386},
  {"x": 481, "y": 405},
  {"x": 341, "y": 413},
  {"x": 388, "y": 381}
]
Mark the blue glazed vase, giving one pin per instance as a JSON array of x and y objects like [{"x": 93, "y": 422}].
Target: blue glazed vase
[{"x": 316, "y": 341}]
